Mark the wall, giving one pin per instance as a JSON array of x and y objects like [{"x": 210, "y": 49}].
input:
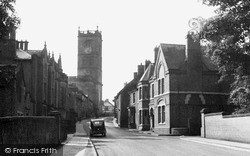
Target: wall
[
  {"x": 7, "y": 90},
  {"x": 7, "y": 51},
  {"x": 28, "y": 130},
  {"x": 226, "y": 127}
]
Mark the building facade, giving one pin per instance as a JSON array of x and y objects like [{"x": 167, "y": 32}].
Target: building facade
[
  {"x": 175, "y": 88},
  {"x": 32, "y": 83},
  {"x": 89, "y": 67},
  {"x": 122, "y": 100},
  {"x": 143, "y": 87},
  {"x": 184, "y": 82},
  {"x": 107, "y": 108}
]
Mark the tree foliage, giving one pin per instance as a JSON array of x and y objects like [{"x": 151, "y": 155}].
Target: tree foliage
[
  {"x": 227, "y": 36},
  {"x": 8, "y": 18}
]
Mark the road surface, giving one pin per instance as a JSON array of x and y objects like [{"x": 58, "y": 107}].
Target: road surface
[{"x": 122, "y": 142}]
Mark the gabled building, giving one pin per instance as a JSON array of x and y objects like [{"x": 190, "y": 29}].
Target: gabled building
[
  {"x": 144, "y": 98},
  {"x": 107, "y": 108},
  {"x": 122, "y": 99},
  {"x": 32, "y": 83},
  {"x": 174, "y": 89},
  {"x": 183, "y": 82}
]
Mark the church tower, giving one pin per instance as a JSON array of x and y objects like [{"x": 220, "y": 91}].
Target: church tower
[{"x": 89, "y": 68}]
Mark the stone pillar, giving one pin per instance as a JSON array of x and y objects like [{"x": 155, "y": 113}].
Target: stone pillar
[
  {"x": 57, "y": 116},
  {"x": 203, "y": 122}
]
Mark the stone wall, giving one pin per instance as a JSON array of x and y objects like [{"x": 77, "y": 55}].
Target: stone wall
[
  {"x": 226, "y": 127},
  {"x": 28, "y": 130},
  {"x": 7, "y": 90}
]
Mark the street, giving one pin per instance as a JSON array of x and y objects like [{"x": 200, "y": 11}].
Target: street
[{"x": 122, "y": 142}]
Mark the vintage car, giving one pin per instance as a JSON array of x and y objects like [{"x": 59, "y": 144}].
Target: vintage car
[{"x": 97, "y": 126}]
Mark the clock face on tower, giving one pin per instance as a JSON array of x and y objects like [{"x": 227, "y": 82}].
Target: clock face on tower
[
  {"x": 87, "y": 46},
  {"x": 87, "y": 50}
]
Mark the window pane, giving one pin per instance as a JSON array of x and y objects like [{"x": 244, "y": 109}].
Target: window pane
[
  {"x": 163, "y": 113},
  {"x": 153, "y": 91},
  {"x": 162, "y": 85},
  {"x": 159, "y": 87},
  {"x": 143, "y": 92},
  {"x": 140, "y": 93},
  {"x": 133, "y": 97},
  {"x": 159, "y": 114},
  {"x": 139, "y": 116}
]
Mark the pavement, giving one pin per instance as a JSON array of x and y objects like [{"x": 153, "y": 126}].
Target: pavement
[
  {"x": 214, "y": 142},
  {"x": 77, "y": 144},
  {"x": 220, "y": 143}
]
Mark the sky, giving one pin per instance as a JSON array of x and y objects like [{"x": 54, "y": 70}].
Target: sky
[{"x": 131, "y": 29}]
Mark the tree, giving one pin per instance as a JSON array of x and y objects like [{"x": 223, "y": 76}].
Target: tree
[
  {"x": 8, "y": 18},
  {"x": 227, "y": 37}
]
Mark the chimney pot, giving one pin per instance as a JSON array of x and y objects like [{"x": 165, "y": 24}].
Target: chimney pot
[
  {"x": 26, "y": 45},
  {"x": 17, "y": 44},
  {"x": 156, "y": 49},
  {"x": 21, "y": 45}
]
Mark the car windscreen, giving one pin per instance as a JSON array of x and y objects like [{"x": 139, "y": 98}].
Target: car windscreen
[{"x": 97, "y": 123}]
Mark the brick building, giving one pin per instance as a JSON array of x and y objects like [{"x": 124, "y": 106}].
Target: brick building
[{"x": 174, "y": 89}]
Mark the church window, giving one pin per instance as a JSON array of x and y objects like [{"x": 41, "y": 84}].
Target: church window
[
  {"x": 45, "y": 91},
  {"x": 90, "y": 61}
]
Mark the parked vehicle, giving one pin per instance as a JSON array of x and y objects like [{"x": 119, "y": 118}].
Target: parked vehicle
[{"x": 97, "y": 126}]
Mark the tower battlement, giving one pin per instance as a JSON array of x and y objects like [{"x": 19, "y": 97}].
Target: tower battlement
[{"x": 85, "y": 33}]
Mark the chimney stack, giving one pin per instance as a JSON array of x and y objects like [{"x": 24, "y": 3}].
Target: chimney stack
[
  {"x": 17, "y": 44},
  {"x": 140, "y": 70},
  {"x": 12, "y": 34},
  {"x": 135, "y": 75},
  {"x": 193, "y": 53},
  {"x": 156, "y": 49},
  {"x": 147, "y": 62},
  {"x": 194, "y": 63},
  {"x": 21, "y": 45},
  {"x": 26, "y": 45}
]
